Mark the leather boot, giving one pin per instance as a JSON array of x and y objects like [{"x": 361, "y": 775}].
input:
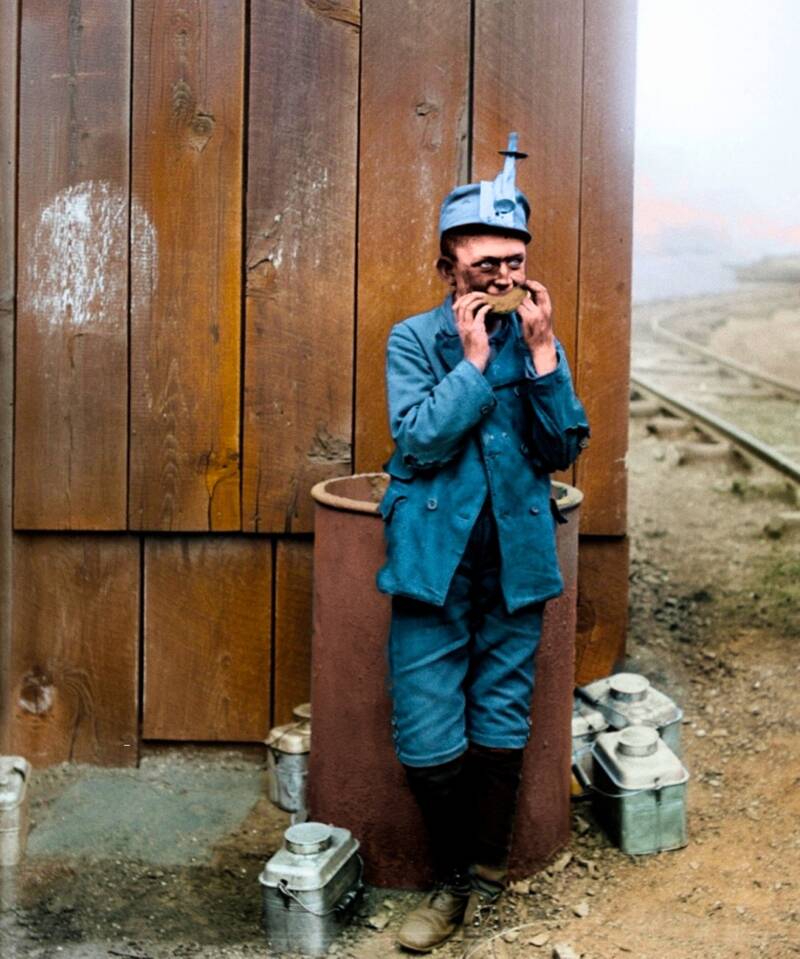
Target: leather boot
[
  {"x": 437, "y": 917},
  {"x": 439, "y": 792},
  {"x": 493, "y": 778}
]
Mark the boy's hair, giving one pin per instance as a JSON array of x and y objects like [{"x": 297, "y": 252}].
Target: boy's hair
[{"x": 451, "y": 239}]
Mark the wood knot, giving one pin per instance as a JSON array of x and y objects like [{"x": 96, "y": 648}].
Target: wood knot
[
  {"x": 201, "y": 128},
  {"x": 37, "y": 692},
  {"x": 345, "y": 11},
  {"x": 424, "y": 108},
  {"x": 202, "y": 123}
]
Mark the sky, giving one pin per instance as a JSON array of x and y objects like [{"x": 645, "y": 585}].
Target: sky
[{"x": 717, "y": 164}]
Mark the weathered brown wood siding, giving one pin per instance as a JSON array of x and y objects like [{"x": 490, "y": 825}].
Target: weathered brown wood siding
[
  {"x": 186, "y": 264},
  {"x": 301, "y": 203},
  {"x": 604, "y": 288},
  {"x": 294, "y": 562},
  {"x": 72, "y": 326},
  {"x": 413, "y": 149},
  {"x": 223, "y": 207},
  {"x": 207, "y": 637},
  {"x": 528, "y": 77},
  {"x": 75, "y": 659},
  {"x": 9, "y": 28},
  {"x": 604, "y": 305},
  {"x": 602, "y": 606}
]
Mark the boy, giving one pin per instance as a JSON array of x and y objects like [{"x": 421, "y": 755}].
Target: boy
[{"x": 482, "y": 410}]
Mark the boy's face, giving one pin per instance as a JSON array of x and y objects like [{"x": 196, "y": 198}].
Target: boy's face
[{"x": 489, "y": 264}]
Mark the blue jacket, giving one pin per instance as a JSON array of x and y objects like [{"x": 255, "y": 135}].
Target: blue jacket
[{"x": 460, "y": 434}]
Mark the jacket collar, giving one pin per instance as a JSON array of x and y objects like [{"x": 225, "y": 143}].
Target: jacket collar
[{"x": 448, "y": 342}]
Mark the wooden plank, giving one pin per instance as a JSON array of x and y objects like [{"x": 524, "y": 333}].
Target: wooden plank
[
  {"x": 528, "y": 77},
  {"x": 412, "y": 151},
  {"x": 9, "y": 51},
  {"x": 302, "y": 136},
  {"x": 207, "y": 638},
  {"x": 293, "y": 589},
  {"x": 71, "y": 402},
  {"x": 74, "y": 658},
  {"x": 602, "y": 606},
  {"x": 528, "y": 71},
  {"x": 186, "y": 264},
  {"x": 605, "y": 260}
]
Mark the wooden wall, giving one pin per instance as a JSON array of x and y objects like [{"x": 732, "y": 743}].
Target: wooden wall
[
  {"x": 9, "y": 44},
  {"x": 212, "y": 212}
]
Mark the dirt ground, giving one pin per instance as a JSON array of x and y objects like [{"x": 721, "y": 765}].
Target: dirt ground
[
  {"x": 757, "y": 325},
  {"x": 715, "y": 622}
]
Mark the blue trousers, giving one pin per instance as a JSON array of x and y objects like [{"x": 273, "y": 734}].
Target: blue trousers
[{"x": 463, "y": 671}]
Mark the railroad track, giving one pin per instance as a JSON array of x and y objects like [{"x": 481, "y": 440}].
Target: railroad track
[{"x": 727, "y": 398}]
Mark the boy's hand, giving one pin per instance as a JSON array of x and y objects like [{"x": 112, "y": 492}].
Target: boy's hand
[
  {"x": 537, "y": 327},
  {"x": 470, "y": 314}
]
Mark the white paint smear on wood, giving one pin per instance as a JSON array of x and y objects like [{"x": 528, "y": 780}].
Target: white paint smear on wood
[
  {"x": 77, "y": 265},
  {"x": 144, "y": 258}
]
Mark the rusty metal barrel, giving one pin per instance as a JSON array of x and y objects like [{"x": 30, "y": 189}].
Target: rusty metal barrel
[{"x": 355, "y": 778}]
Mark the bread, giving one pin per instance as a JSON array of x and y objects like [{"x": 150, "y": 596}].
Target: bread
[{"x": 506, "y": 302}]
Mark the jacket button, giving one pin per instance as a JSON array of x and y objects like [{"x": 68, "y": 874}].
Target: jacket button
[
  {"x": 523, "y": 448},
  {"x": 431, "y": 504},
  {"x": 485, "y": 409},
  {"x": 535, "y": 510}
]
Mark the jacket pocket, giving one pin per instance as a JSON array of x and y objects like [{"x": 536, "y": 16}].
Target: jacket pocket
[
  {"x": 397, "y": 468},
  {"x": 391, "y": 498}
]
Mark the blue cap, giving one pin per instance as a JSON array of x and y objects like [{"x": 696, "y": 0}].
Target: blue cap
[{"x": 496, "y": 203}]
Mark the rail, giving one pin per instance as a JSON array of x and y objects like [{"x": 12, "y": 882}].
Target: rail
[
  {"x": 741, "y": 438},
  {"x": 656, "y": 325}
]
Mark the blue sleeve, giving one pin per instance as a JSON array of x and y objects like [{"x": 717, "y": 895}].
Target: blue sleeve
[
  {"x": 559, "y": 427},
  {"x": 430, "y": 418}
]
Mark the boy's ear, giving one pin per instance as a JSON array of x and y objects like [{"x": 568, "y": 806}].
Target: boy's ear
[{"x": 446, "y": 270}]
